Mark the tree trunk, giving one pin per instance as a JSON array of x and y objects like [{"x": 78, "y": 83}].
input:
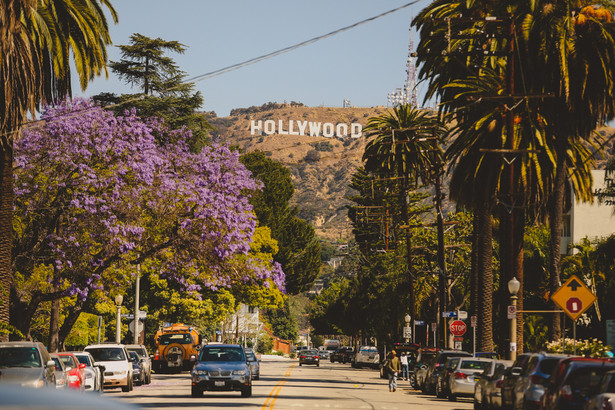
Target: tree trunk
[
  {"x": 54, "y": 327},
  {"x": 474, "y": 289},
  {"x": 485, "y": 278},
  {"x": 73, "y": 315},
  {"x": 6, "y": 234},
  {"x": 556, "y": 211}
]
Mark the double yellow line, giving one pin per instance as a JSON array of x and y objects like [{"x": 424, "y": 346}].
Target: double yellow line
[{"x": 273, "y": 396}]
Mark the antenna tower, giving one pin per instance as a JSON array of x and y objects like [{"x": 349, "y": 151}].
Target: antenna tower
[{"x": 410, "y": 87}]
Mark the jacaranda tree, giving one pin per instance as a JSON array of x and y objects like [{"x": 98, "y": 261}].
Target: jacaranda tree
[{"x": 95, "y": 195}]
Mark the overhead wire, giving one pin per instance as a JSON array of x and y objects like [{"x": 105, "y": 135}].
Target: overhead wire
[{"x": 242, "y": 64}]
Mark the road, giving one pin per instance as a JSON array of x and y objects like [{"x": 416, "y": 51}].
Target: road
[{"x": 286, "y": 385}]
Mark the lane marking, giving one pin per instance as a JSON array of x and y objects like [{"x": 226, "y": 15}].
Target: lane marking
[{"x": 273, "y": 396}]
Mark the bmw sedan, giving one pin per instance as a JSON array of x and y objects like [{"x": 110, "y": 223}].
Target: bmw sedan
[{"x": 221, "y": 368}]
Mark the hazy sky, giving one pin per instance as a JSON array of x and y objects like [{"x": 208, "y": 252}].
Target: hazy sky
[{"x": 362, "y": 65}]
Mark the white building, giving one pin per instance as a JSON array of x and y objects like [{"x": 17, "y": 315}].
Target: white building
[{"x": 593, "y": 220}]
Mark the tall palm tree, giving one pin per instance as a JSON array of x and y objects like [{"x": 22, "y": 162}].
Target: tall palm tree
[
  {"x": 404, "y": 142},
  {"x": 36, "y": 41}
]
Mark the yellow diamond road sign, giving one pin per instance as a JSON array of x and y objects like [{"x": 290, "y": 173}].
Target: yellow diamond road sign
[{"x": 574, "y": 297}]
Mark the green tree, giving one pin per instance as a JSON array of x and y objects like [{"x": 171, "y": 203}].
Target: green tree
[
  {"x": 163, "y": 90},
  {"x": 299, "y": 249},
  {"x": 38, "y": 39}
]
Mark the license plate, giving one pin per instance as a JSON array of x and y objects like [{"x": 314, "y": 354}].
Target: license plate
[
  {"x": 476, "y": 379},
  {"x": 219, "y": 384}
]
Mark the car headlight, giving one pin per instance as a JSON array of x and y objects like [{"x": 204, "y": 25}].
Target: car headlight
[
  {"x": 137, "y": 371},
  {"x": 200, "y": 372},
  {"x": 88, "y": 375},
  {"x": 239, "y": 372}
]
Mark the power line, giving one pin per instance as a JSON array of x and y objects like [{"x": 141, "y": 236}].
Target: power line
[{"x": 245, "y": 63}]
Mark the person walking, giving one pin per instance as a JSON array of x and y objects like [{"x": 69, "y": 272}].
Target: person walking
[
  {"x": 403, "y": 358},
  {"x": 393, "y": 367}
]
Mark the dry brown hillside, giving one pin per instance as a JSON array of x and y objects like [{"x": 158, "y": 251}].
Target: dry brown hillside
[{"x": 321, "y": 167}]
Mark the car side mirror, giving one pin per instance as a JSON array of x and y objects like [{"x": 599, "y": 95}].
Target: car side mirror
[
  {"x": 516, "y": 371},
  {"x": 82, "y": 365},
  {"x": 51, "y": 363}
]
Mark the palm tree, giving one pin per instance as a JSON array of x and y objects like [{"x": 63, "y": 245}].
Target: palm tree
[
  {"x": 404, "y": 142},
  {"x": 37, "y": 40}
]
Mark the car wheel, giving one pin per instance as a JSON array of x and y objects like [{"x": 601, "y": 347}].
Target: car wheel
[
  {"x": 317, "y": 364},
  {"x": 148, "y": 380},
  {"x": 128, "y": 386},
  {"x": 452, "y": 397},
  {"x": 247, "y": 392},
  {"x": 299, "y": 364},
  {"x": 197, "y": 392}
]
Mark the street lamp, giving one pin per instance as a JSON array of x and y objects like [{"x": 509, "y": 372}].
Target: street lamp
[
  {"x": 407, "y": 328},
  {"x": 118, "y": 323},
  {"x": 513, "y": 288}
]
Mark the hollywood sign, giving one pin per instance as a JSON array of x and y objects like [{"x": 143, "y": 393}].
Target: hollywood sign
[{"x": 305, "y": 128}]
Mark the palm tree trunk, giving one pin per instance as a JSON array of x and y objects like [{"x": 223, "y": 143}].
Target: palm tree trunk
[
  {"x": 485, "y": 278},
  {"x": 6, "y": 233},
  {"x": 556, "y": 217}
]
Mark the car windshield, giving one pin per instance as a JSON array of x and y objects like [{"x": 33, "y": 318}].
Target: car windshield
[
  {"x": 547, "y": 365},
  {"x": 138, "y": 350},
  {"x": 369, "y": 350},
  {"x": 107, "y": 354},
  {"x": 222, "y": 354},
  {"x": 58, "y": 363},
  {"x": 474, "y": 365},
  {"x": 309, "y": 353},
  {"x": 68, "y": 360},
  {"x": 181, "y": 338},
  {"x": 133, "y": 355},
  {"x": 19, "y": 357},
  {"x": 84, "y": 359}
]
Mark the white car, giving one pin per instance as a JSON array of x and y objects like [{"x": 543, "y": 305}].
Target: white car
[
  {"x": 464, "y": 375},
  {"x": 93, "y": 374},
  {"x": 367, "y": 356},
  {"x": 115, "y": 359}
]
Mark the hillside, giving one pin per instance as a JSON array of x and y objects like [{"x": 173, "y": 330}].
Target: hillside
[{"x": 321, "y": 167}]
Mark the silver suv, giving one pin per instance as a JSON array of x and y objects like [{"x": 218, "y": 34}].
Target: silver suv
[
  {"x": 27, "y": 364},
  {"x": 221, "y": 368}
]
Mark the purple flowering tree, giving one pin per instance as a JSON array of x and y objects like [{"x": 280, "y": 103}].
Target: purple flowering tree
[{"x": 95, "y": 193}]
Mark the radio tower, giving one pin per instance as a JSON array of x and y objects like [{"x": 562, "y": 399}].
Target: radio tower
[
  {"x": 410, "y": 88},
  {"x": 406, "y": 95}
]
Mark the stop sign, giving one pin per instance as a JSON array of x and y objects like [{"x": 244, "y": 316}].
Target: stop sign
[
  {"x": 458, "y": 327},
  {"x": 574, "y": 305}
]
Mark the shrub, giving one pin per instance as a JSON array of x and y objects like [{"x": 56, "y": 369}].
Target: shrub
[
  {"x": 312, "y": 156},
  {"x": 265, "y": 344},
  {"x": 587, "y": 348}
]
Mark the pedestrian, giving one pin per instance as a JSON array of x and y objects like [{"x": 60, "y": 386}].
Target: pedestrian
[
  {"x": 403, "y": 358},
  {"x": 393, "y": 367}
]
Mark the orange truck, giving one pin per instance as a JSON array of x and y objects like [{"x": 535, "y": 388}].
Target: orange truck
[{"x": 177, "y": 347}]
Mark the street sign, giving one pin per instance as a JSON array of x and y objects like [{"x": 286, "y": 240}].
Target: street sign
[
  {"x": 142, "y": 315},
  {"x": 434, "y": 326},
  {"x": 458, "y": 345},
  {"x": 473, "y": 320},
  {"x": 574, "y": 297},
  {"x": 512, "y": 311},
  {"x": 407, "y": 332},
  {"x": 458, "y": 328},
  {"x": 463, "y": 314},
  {"x": 419, "y": 322},
  {"x": 131, "y": 326},
  {"x": 449, "y": 314}
]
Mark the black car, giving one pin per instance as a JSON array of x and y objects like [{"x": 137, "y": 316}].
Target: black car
[
  {"x": 442, "y": 384},
  {"x": 511, "y": 377},
  {"x": 433, "y": 371},
  {"x": 343, "y": 355},
  {"x": 138, "y": 375},
  {"x": 221, "y": 368},
  {"x": 309, "y": 356}
]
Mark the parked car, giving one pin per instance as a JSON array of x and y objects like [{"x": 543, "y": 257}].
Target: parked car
[
  {"x": 605, "y": 397},
  {"x": 254, "y": 362},
  {"x": 577, "y": 379},
  {"x": 118, "y": 368},
  {"x": 221, "y": 367},
  {"x": 366, "y": 356},
  {"x": 342, "y": 355},
  {"x": 442, "y": 384},
  {"x": 93, "y": 372},
  {"x": 493, "y": 387},
  {"x": 76, "y": 371},
  {"x": 433, "y": 371},
  {"x": 60, "y": 371},
  {"x": 27, "y": 364},
  {"x": 425, "y": 357},
  {"x": 529, "y": 389},
  {"x": 465, "y": 375},
  {"x": 144, "y": 360},
  {"x": 510, "y": 379},
  {"x": 487, "y": 376},
  {"x": 323, "y": 353},
  {"x": 138, "y": 376},
  {"x": 310, "y": 356}
]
